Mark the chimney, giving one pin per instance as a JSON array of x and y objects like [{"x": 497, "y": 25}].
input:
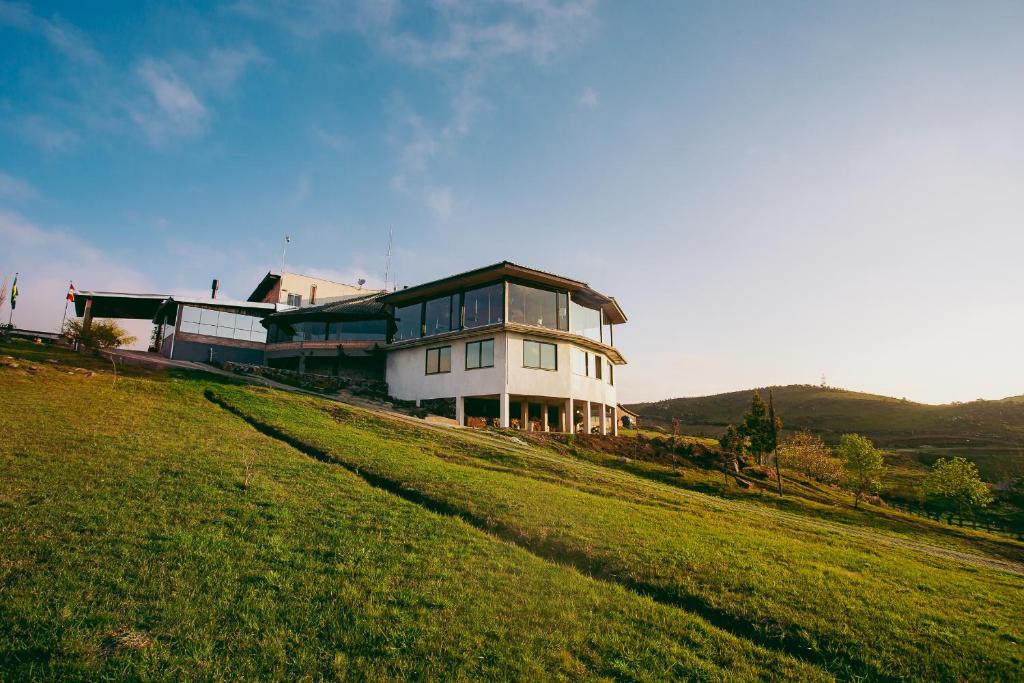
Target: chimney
[{"x": 213, "y": 288}]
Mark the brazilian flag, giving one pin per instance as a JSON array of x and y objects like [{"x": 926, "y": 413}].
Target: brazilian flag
[{"x": 14, "y": 292}]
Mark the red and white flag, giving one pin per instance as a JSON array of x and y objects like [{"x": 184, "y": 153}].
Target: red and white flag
[{"x": 71, "y": 292}]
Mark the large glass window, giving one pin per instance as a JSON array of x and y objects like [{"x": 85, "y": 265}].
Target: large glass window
[
  {"x": 480, "y": 354},
  {"x": 224, "y": 324},
  {"x": 579, "y": 362},
  {"x": 484, "y": 306},
  {"x": 438, "y": 316},
  {"x": 540, "y": 355},
  {"x": 314, "y": 330},
  {"x": 359, "y": 330},
  {"x": 538, "y": 307},
  {"x": 439, "y": 360},
  {"x": 584, "y": 321},
  {"x": 408, "y": 322},
  {"x": 606, "y": 334}
]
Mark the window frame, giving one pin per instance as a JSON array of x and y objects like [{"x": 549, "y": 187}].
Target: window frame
[
  {"x": 439, "y": 371},
  {"x": 480, "y": 343},
  {"x": 540, "y": 355}
]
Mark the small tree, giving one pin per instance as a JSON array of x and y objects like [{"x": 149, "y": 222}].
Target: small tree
[
  {"x": 806, "y": 453},
  {"x": 102, "y": 334},
  {"x": 956, "y": 485},
  {"x": 758, "y": 428},
  {"x": 733, "y": 445},
  {"x": 862, "y": 464}
]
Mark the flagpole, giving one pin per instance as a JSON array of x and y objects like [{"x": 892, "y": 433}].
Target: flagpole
[
  {"x": 66, "y": 302},
  {"x": 13, "y": 298}
]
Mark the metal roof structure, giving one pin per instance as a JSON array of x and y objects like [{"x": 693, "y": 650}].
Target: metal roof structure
[
  {"x": 169, "y": 307},
  {"x": 124, "y": 305},
  {"x": 361, "y": 306}
]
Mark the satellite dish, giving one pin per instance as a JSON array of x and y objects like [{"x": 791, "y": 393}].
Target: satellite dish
[{"x": 362, "y": 281}]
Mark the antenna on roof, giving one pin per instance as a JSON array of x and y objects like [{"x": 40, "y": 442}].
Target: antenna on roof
[
  {"x": 284, "y": 252},
  {"x": 387, "y": 259}
]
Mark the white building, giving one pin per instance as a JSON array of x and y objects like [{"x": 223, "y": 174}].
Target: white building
[{"x": 512, "y": 346}]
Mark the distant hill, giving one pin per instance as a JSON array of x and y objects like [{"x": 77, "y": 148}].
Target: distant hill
[{"x": 831, "y": 412}]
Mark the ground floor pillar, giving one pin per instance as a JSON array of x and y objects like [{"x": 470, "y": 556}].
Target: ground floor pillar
[
  {"x": 503, "y": 410},
  {"x": 460, "y": 410},
  {"x": 604, "y": 419},
  {"x": 569, "y": 418},
  {"x": 544, "y": 416},
  {"x": 615, "y": 420},
  {"x": 586, "y": 417},
  {"x": 524, "y": 415}
]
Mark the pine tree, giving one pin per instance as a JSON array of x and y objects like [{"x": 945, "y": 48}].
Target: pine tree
[{"x": 772, "y": 437}]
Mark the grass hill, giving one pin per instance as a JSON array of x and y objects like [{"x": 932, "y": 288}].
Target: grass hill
[
  {"x": 179, "y": 525},
  {"x": 832, "y": 412}
]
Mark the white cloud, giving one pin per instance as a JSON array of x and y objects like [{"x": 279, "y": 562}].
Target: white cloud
[
  {"x": 302, "y": 189},
  {"x": 177, "y": 110},
  {"x": 15, "y": 188},
  {"x": 441, "y": 202},
  {"x": 588, "y": 98},
  {"x": 44, "y": 133},
  {"x": 46, "y": 259}
]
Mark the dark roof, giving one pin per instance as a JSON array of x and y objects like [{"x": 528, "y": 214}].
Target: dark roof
[
  {"x": 125, "y": 305},
  {"x": 507, "y": 269},
  {"x": 168, "y": 310},
  {"x": 356, "y": 306},
  {"x": 264, "y": 287}
]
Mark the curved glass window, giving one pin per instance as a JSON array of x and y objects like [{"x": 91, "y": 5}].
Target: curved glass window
[
  {"x": 438, "y": 315},
  {"x": 538, "y": 307},
  {"x": 359, "y": 330},
  {"x": 484, "y": 306},
  {"x": 408, "y": 322},
  {"x": 314, "y": 330},
  {"x": 584, "y": 321}
]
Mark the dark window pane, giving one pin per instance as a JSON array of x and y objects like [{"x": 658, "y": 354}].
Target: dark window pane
[
  {"x": 407, "y": 320},
  {"x": 315, "y": 330},
  {"x": 484, "y": 305},
  {"x": 359, "y": 330},
  {"x": 472, "y": 355},
  {"x": 432, "y": 357},
  {"x": 439, "y": 315},
  {"x": 445, "y": 361},
  {"x": 562, "y": 299}
]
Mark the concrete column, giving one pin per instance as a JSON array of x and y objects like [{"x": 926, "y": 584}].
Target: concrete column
[
  {"x": 615, "y": 420},
  {"x": 503, "y": 410},
  {"x": 87, "y": 317},
  {"x": 569, "y": 419},
  {"x": 586, "y": 417},
  {"x": 604, "y": 419},
  {"x": 460, "y": 410},
  {"x": 544, "y": 416},
  {"x": 524, "y": 415},
  {"x": 302, "y": 362}
]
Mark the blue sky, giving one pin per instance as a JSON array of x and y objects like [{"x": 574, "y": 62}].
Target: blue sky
[{"x": 773, "y": 191}]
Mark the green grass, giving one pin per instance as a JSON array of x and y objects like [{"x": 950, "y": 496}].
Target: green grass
[
  {"x": 414, "y": 552},
  {"x": 123, "y": 509}
]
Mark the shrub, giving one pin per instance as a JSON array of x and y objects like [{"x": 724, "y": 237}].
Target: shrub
[
  {"x": 102, "y": 334},
  {"x": 806, "y": 453}
]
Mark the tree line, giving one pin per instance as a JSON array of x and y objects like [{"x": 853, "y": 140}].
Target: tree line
[{"x": 855, "y": 463}]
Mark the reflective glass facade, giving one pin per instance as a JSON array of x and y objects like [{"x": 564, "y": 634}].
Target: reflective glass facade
[
  {"x": 408, "y": 322},
  {"x": 223, "y": 324},
  {"x": 538, "y": 307},
  {"x": 585, "y": 321},
  {"x": 484, "y": 306}
]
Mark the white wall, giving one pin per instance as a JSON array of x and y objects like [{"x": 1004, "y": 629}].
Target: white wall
[{"x": 407, "y": 378}]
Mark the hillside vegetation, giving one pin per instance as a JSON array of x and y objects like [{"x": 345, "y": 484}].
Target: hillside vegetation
[
  {"x": 887, "y": 421},
  {"x": 168, "y": 526}
]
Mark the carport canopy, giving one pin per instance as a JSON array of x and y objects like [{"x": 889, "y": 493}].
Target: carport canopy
[{"x": 118, "y": 305}]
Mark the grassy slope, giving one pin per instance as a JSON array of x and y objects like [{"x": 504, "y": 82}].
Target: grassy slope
[
  {"x": 889, "y": 421},
  {"x": 120, "y": 521},
  {"x": 124, "y": 507},
  {"x": 850, "y": 604}
]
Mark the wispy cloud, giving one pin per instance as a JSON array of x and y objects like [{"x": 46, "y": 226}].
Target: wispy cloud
[
  {"x": 173, "y": 107},
  {"x": 44, "y": 132},
  {"x": 441, "y": 202},
  {"x": 15, "y": 188},
  {"x": 61, "y": 35},
  {"x": 302, "y": 190},
  {"x": 337, "y": 142},
  {"x": 588, "y": 98}
]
